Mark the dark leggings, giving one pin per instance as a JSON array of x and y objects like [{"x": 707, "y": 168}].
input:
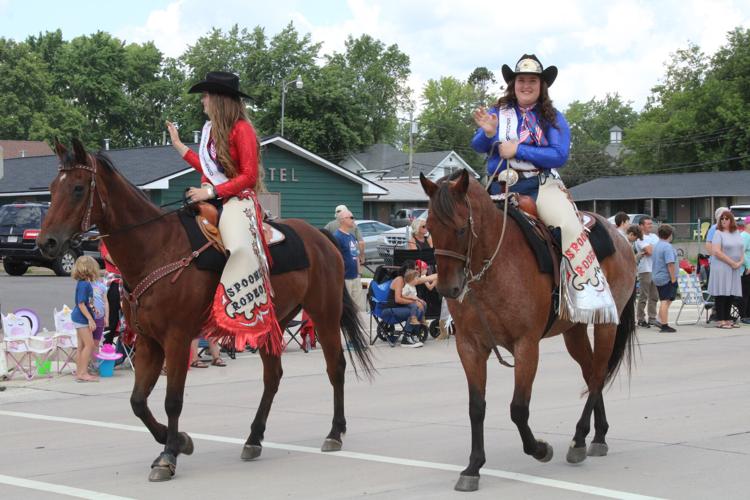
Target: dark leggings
[
  {"x": 723, "y": 305},
  {"x": 113, "y": 298}
]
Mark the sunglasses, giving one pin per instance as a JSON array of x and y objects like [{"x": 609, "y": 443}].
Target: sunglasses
[{"x": 352, "y": 218}]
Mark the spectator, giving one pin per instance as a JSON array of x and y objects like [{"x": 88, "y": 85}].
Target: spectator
[
  {"x": 101, "y": 310},
  {"x": 401, "y": 308},
  {"x": 622, "y": 222},
  {"x": 332, "y": 226},
  {"x": 745, "y": 313},
  {"x": 712, "y": 231},
  {"x": 664, "y": 274},
  {"x": 85, "y": 272},
  {"x": 648, "y": 292},
  {"x": 351, "y": 252},
  {"x": 409, "y": 291},
  {"x": 114, "y": 280},
  {"x": 419, "y": 240},
  {"x": 724, "y": 282}
]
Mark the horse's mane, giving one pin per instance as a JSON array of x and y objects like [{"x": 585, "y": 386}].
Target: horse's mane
[
  {"x": 107, "y": 162},
  {"x": 442, "y": 203}
]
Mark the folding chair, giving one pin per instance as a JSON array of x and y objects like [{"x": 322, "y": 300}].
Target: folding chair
[
  {"x": 125, "y": 343},
  {"x": 692, "y": 295},
  {"x": 294, "y": 328},
  {"x": 16, "y": 333},
  {"x": 65, "y": 338}
]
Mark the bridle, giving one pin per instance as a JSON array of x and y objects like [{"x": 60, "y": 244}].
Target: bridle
[
  {"x": 86, "y": 221},
  {"x": 469, "y": 276},
  {"x": 86, "y": 225}
]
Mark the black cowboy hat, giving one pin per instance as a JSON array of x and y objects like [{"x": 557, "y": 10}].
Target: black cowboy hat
[
  {"x": 529, "y": 64},
  {"x": 219, "y": 82}
]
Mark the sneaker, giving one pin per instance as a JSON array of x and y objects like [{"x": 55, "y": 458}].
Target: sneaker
[
  {"x": 667, "y": 329},
  {"x": 745, "y": 321},
  {"x": 653, "y": 322},
  {"x": 392, "y": 340},
  {"x": 643, "y": 324},
  {"x": 408, "y": 341}
]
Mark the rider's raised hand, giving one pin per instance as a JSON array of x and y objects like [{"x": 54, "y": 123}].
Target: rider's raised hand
[
  {"x": 174, "y": 136},
  {"x": 486, "y": 121}
]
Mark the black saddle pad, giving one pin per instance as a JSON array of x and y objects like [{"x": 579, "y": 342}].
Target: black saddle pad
[
  {"x": 600, "y": 239},
  {"x": 289, "y": 255}
]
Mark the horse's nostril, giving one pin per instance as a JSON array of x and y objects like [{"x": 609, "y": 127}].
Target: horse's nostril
[{"x": 51, "y": 243}]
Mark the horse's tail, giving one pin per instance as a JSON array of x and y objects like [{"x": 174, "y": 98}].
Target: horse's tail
[
  {"x": 354, "y": 332},
  {"x": 625, "y": 341}
]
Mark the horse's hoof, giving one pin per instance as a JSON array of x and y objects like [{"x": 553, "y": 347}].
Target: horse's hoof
[
  {"x": 159, "y": 474},
  {"x": 576, "y": 455},
  {"x": 187, "y": 447},
  {"x": 467, "y": 483},
  {"x": 251, "y": 451},
  {"x": 163, "y": 468},
  {"x": 544, "y": 451},
  {"x": 598, "y": 450},
  {"x": 331, "y": 445}
]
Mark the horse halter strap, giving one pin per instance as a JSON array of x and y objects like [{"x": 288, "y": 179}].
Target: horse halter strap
[{"x": 86, "y": 221}]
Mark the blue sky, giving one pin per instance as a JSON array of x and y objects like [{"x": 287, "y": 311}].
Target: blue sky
[{"x": 599, "y": 47}]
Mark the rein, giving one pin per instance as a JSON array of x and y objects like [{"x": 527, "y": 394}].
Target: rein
[{"x": 466, "y": 259}]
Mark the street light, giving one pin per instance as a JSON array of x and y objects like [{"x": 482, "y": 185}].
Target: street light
[{"x": 297, "y": 83}]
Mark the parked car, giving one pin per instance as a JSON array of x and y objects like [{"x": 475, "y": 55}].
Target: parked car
[
  {"x": 396, "y": 238},
  {"x": 371, "y": 231},
  {"x": 405, "y": 216},
  {"x": 634, "y": 218},
  {"x": 20, "y": 224},
  {"x": 740, "y": 210}
]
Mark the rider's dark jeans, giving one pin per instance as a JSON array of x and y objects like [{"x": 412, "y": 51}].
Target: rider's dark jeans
[{"x": 529, "y": 187}]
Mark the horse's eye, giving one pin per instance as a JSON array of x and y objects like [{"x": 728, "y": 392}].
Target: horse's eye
[
  {"x": 460, "y": 232},
  {"x": 78, "y": 192}
]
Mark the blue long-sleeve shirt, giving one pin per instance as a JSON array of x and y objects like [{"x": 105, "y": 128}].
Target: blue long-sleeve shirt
[{"x": 554, "y": 155}]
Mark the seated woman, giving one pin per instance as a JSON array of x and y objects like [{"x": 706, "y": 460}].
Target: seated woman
[
  {"x": 419, "y": 240},
  {"x": 401, "y": 307}
]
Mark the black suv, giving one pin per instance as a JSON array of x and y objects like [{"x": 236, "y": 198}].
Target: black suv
[{"x": 20, "y": 224}]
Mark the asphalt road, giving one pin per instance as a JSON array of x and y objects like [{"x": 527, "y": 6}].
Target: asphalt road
[{"x": 679, "y": 427}]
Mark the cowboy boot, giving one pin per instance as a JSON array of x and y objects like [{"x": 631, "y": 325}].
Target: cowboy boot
[{"x": 443, "y": 331}]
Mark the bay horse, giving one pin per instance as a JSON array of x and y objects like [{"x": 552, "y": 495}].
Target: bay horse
[
  {"x": 89, "y": 190},
  {"x": 509, "y": 306}
]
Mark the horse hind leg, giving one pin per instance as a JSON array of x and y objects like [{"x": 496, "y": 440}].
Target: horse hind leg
[
  {"x": 604, "y": 337},
  {"x": 272, "y": 373},
  {"x": 527, "y": 358}
]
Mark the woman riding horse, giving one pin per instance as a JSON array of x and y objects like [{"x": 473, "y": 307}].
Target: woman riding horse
[
  {"x": 228, "y": 161},
  {"x": 527, "y": 139}
]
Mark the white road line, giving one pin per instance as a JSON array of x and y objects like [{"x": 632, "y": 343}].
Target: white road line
[
  {"x": 57, "y": 488},
  {"x": 513, "y": 476}
]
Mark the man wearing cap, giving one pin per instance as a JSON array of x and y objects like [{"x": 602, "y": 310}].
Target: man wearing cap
[
  {"x": 332, "y": 226},
  {"x": 526, "y": 139},
  {"x": 350, "y": 252}
]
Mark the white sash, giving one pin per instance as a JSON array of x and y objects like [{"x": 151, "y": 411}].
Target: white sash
[
  {"x": 210, "y": 168},
  {"x": 507, "y": 130}
]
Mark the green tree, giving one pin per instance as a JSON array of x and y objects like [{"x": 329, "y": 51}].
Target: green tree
[
  {"x": 590, "y": 124},
  {"x": 480, "y": 79},
  {"x": 445, "y": 122}
]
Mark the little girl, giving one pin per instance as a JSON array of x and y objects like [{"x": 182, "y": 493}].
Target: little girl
[
  {"x": 85, "y": 272},
  {"x": 409, "y": 291},
  {"x": 101, "y": 309}
]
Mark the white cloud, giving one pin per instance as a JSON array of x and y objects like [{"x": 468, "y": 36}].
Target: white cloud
[{"x": 165, "y": 28}]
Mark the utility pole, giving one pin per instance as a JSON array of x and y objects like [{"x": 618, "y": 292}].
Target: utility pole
[{"x": 411, "y": 143}]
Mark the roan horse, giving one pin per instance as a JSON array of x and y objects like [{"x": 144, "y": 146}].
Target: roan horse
[
  {"x": 509, "y": 306},
  {"x": 88, "y": 190}
]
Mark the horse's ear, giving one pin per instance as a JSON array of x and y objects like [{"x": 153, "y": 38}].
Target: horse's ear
[
  {"x": 462, "y": 183},
  {"x": 429, "y": 187},
  {"x": 80, "y": 151},
  {"x": 59, "y": 148}
]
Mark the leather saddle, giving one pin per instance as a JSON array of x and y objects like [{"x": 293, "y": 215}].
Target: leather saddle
[{"x": 207, "y": 218}]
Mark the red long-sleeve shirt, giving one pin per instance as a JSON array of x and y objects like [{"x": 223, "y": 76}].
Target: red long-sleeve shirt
[{"x": 243, "y": 148}]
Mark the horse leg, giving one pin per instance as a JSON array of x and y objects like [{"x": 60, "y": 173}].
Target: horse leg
[
  {"x": 474, "y": 362},
  {"x": 330, "y": 340},
  {"x": 149, "y": 359},
  {"x": 604, "y": 337},
  {"x": 272, "y": 373},
  {"x": 178, "y": 357},
  {"x": 526, "y": 354}
]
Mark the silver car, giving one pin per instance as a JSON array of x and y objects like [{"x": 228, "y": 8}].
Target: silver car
[
  {"x": 371, "y": 232},
  {"x": 396, "y": 238}
]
